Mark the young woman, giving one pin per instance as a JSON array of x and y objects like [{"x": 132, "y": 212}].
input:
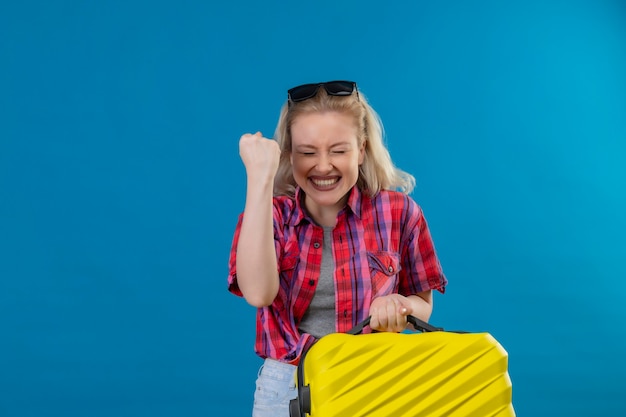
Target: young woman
[{"x": 328, "y": 236}]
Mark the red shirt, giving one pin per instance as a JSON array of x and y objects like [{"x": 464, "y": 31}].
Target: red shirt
[{"x": 380, "y": 245}]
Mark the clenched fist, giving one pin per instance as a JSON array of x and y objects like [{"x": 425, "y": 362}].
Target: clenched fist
[{"x": 259, "y": 155}]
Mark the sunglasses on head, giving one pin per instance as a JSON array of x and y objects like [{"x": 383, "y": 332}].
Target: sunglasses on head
[{"x": 333, "y": 88}]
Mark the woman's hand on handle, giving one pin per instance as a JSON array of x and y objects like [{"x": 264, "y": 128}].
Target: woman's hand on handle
[{"x": 388, "y": 312}]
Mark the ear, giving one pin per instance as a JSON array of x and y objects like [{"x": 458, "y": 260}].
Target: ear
[{"x": 291, "y": 158}]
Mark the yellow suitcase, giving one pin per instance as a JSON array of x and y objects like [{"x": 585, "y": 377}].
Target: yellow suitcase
[{"x": 433, "y": 373}]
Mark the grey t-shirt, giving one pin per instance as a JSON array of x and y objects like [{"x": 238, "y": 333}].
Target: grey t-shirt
[{"x": 319, "y": 319}]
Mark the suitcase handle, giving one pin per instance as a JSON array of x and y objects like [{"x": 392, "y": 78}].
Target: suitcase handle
[{"x": 417, "y": 323}]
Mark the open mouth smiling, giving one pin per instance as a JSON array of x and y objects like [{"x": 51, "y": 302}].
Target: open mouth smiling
[{"x": 324, "y": 182}]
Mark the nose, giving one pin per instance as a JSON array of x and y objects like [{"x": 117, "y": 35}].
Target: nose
[{"x": 324, "y": 163}]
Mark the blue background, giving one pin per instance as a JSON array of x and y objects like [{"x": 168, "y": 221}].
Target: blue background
[{"x": 120, "y": 185}]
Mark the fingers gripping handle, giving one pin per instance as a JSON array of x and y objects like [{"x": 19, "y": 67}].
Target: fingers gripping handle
[{"x": 417, "y": 323}]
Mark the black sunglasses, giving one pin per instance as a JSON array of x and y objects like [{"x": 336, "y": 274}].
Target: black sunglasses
[{"x": 333, "y": 88}]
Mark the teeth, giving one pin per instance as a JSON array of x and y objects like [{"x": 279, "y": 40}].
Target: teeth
[{"x": 324, "y": 183}]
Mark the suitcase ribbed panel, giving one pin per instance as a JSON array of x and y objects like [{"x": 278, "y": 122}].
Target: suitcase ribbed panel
[{"x": 408, "y": 375}]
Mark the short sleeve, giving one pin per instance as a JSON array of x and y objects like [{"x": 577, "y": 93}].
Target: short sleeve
[
  {"x": 233, "y": 287},
  {"x": 421, "y": 269}
]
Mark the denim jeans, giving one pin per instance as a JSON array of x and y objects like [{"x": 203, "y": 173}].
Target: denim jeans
[{"x": 275, "y": 387}]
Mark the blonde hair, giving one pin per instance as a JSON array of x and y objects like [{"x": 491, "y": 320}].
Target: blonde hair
[{"x": 377, "y": 172}]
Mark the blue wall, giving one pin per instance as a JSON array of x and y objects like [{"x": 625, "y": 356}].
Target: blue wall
[{"x": 120, "y": 185}]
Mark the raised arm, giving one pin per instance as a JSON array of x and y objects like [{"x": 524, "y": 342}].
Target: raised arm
[{"x": 257, "y": 272}]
